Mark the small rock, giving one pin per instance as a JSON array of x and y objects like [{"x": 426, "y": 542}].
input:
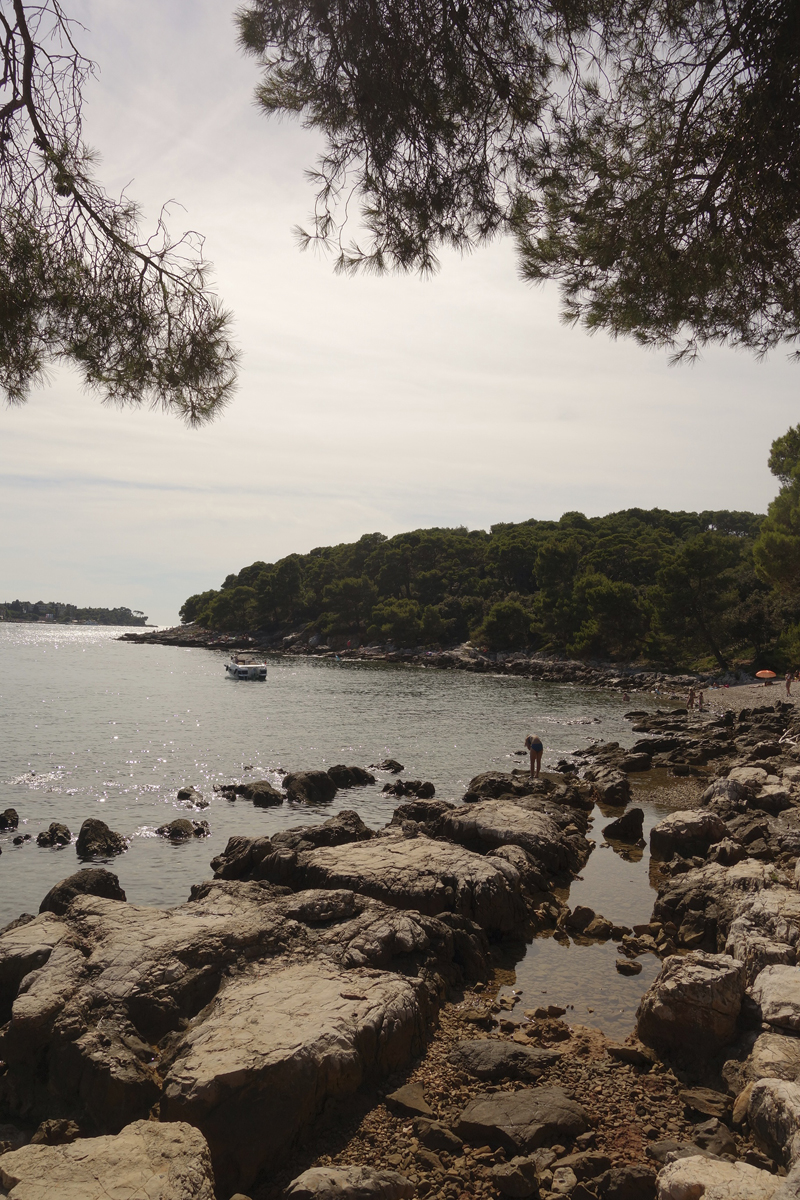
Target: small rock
[
  {"x": 349, "y": 1183},
  {"x": 410, "y": 1099},
  {"x": 181, "y": 829},
  {"x": 56, "y": 835},
  {"x": 9, "y": 819},
  {"x": 55, "y": 1133},
  {"x": 516, "y": 1178},
  {"x": 96, "y": 840},
  {"x": 628, "y": 966},
  {"x": 564, "y": 1181},
  {"x": 389, "y": 764},
  {"x": 350, "y": 777},
  {"x": 706, "y": 1101},
  {"x": 627, "y": 828}
]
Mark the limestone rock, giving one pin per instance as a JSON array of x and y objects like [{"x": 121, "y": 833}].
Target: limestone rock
[
  {"x": 539, "y": 828},
  {"x": 521, "y": 1121},
  {"x": 350, "y": 777},
  {"x": 349, "y": 1183},
  {"x": 689, "y": 832},
  {"x": 91, "y": 881},
  {"x": 262, "y": 793},
  {"x": 494, "y": 1059},
  {"x": 627, "y": 828},
  {"x": 710, "y": 897},
  {"x": 416, "y": 873},
  {"x": 161, "y": 1162},
  {"x": 766, "y": 930},
  {"x": 773, "y": 1112},
  {"x": 309, "y": 787},
  {"x": 96, "y": 840},
  {"x": 777, "y": 992},
  {"x": 56, "y": 835},
  {"x": 774, "y": 1056},
  {"x": 693, "y": 1005},
  {"x": 181, "y": 830},
  {"x": 696, "y": 1177}
]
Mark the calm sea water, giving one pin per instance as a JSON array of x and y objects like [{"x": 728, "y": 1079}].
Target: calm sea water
[{"x": 94, "y": 727}]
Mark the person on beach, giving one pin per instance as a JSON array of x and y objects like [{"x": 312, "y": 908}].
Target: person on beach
[
  {"x": 690, "y": 700},
  {"x": 788, "y": 683},
  {"x": 534, "y": 745},
  {"x": 699, "y": 701}
]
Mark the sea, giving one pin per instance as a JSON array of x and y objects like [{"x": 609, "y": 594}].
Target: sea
[{"x": 91, "y": 726}]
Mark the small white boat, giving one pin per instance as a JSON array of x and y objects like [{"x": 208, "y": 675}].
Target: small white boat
[{"x": 246, "y": 666}]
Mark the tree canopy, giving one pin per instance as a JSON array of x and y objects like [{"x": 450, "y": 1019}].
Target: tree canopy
[
  {"x": 79, "y": 282},
  {"x": 665, "y": 587},
  {"x": 645, "y": 154}
]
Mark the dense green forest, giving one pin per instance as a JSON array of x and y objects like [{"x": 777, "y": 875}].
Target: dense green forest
[
  {"x": 66, "y": 614},
  {"x": 673, "y": 588}
]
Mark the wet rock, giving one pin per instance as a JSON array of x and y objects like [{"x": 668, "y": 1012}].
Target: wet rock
[
  {"x": 309, "y": 787},
  {"x": 416, "y": 873},
  {"x": 544, "y": 835},
  {"x": 243, "y": 856},
  {"x": 410, "y": 787},
  {"x": 627, "y": 828},
  {"x": 350, "y": 777},
  {"x": 180, "y": 830},
  {"x": 389, "y": 764},
  {"x": 686, "y": 833},
  {"x": 628, "y": 966},
  {"x": 612, "y": 785},
  {"x": 693, "y": 1005},
  {"x": 691, "y": 1178},
  {"x": 349, "y": 1183},
  {"x": 191, "y": 797},
  {"x": 773, "y": 1112},
  {"x": 521, "y": 1121},
  {"x": 777, "y": 993},
  {"x": 96, "y": 840},
  {"x": 56, "y": 835},
  {"x": 91, "y": 881},
  {"x": 166, "y": 1162},
  {"x": 410, "y": 1100},
  {"x": 262, "y": 793},
  {"x": 9, "y": 819},
  {"x": 494, "y": 1059}
]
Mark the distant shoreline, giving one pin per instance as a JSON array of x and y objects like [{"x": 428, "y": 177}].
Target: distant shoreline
[{"x": 625, "y": 677}]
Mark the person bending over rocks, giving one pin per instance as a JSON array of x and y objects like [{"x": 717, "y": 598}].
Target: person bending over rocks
[{"x": 534, "y": 745}]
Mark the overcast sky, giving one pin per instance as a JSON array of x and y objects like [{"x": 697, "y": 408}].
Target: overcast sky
[{"x": 364, "y": 404}]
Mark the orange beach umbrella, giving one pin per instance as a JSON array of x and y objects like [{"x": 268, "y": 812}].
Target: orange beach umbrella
[{"x": 765, "y": 674}]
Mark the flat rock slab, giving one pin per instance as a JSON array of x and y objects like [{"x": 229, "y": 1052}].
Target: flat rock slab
[
  {"x": 419, "y": 873},
  {"x": 521, "y": 1121},
  {"x": 696, "y": 1177},
  {"x": 146, "y": 1159},
  {"x": 489, "y": 824},
  {"x": 693, "y": 1005},
  {"x": 410, "y": 1099},
  {"x": 252, "y": 1071},
  {"x": 777, "y": 992},
  {"x": 350, "y": 1183},
  {"x": 494, "y": 1059}
]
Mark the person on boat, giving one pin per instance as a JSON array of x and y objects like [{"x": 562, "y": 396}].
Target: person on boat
[{"x": 533, "y": 745}]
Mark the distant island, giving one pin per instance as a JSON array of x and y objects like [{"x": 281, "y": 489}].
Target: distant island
[{"x": 55, "y": 613}]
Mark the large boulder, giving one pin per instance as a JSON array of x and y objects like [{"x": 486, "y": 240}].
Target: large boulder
[
  {"x": 697, "y": 1176},
  {"x": 429, "y": 876},
  {"x": 687, "y": 833},
  {"x": 262, "y": 793},
  {"x": 309, "y": 787},
  {"x": 91, "y": 881},
  {"x": 627, "y": 828},
  {"x": 96, "y": 840},
  {"x": 350, "y": 1183},
  {"x": 766, "y": 930},
  {"x": 147, "y": 1159},
  {"x": 702, "y": 903},
  {"x": 692, "y": 1007},
  {"x": 547, "y": 832},
  {"x": 776, "y": 991},
  {"x": 521, "y": 1121},
  {"x": 773, "y": 1113},
  {"x": 774, "y": 1056},
  {"x": 273, "y": 1002}
]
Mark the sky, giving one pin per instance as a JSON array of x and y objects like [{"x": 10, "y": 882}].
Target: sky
[{"x": 364, "y": 404}]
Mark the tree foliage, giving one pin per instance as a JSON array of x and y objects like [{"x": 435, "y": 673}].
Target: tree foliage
[
  {"x": 79, "y": 282},
  {"x": 668, "y": 587},
  {"x": 644, "y": 153}
]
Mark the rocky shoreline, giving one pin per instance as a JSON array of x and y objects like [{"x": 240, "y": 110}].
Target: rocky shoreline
[
  {"x": 628, "y": 677},
  {"x": 326, "y": 1016}
]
